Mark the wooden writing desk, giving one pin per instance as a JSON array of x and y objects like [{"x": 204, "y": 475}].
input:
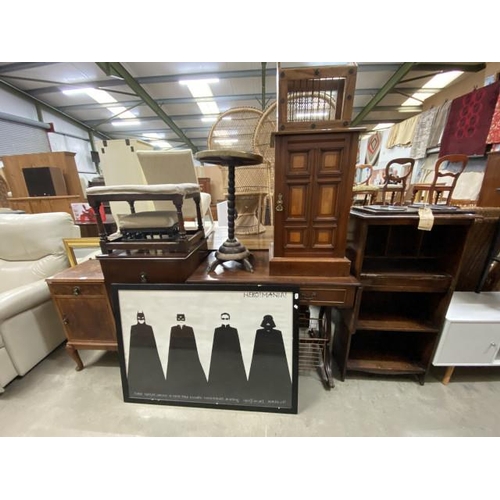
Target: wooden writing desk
[{"x": 84, "y": 307}]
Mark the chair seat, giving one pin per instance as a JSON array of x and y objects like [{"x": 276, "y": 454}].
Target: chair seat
[
  {"x": 147, "y": 220},
  {"x": 185, "y": 189},
  {"x": 365, "y": 188}
]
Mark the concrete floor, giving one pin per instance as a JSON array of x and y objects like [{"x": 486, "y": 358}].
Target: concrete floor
[{"x": 55, "y": 400}]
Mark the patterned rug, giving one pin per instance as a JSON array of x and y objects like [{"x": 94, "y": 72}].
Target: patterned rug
[{"x": 469, "y": 121}]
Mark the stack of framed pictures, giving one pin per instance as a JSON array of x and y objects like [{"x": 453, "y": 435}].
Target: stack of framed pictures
[{"x": 230, "y": 347}]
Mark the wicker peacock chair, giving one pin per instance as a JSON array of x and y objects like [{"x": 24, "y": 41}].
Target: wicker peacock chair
[{"x": 234, "y": 129}]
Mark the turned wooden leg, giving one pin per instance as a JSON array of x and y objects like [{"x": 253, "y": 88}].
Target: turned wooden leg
[
  {"x": 76, "y": 357},
  {"x": 448, "y": 374}
]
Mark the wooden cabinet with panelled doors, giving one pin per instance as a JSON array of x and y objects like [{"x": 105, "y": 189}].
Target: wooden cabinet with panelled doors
[
  {"x": 80, "y": 297},
  {"x": 314, "y": 174}
]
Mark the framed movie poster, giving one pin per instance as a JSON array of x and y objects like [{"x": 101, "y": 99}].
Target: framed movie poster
[{"x": 217, "y": 346}]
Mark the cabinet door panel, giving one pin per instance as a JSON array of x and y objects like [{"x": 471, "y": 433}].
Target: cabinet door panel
[
  {"x": 89, "y": 319},
  {"x": 468, "y": 344},
  {"x": 313, "y": 179}
]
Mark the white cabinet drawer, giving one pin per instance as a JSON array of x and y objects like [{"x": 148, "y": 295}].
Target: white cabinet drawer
[{"x": 468, "y": 343}]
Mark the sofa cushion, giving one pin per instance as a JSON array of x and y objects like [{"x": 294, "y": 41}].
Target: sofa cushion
[
  {"x": 32, "y": 248},
  {"x": 15, "y": 274},
  {"x": 34, "y": 236}
]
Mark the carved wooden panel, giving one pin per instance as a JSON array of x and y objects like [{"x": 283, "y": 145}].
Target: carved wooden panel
[
  {"x": 296, "y": 237},
  {"x": 297, "y": 205}
]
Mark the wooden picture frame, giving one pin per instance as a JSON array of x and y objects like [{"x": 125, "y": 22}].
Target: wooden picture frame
[
  {"x": 79, "y": 249},
  {"x": 216, "y": 346}
]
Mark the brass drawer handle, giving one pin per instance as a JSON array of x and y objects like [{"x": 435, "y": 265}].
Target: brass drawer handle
[
  {"x": 76, "y": 290},
  {"x": 65, "y": 320},
  {"x": 143, "y": 277},
  {"x": 308, "y": 295}
]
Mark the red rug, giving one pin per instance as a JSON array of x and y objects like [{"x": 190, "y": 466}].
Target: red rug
[
  {"x": 494, "y": 133},
  {"x": 469, "y": 122}
]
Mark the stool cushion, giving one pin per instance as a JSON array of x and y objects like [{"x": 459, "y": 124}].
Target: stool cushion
[
  {"x": 147, "y": 220},
  {"x": 184, "y": 189}
]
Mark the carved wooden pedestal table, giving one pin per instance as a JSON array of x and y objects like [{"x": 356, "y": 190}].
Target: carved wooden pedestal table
[{"x": 231, "y": 249}]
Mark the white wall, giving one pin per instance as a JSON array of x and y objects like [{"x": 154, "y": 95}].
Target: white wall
[
  {"x": 67, "y": 136},
  {"x": 16, "y": 105}
]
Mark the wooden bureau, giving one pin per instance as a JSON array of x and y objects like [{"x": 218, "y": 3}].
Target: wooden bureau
[{"x": 81, "y": 300}]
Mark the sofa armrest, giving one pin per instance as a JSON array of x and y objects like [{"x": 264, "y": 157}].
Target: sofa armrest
[{"x": 23, "y": 298}]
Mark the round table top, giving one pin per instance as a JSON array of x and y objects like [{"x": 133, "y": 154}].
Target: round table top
[{"x": 229, "y": 157}]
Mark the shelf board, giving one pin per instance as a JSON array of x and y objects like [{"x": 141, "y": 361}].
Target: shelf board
[
  {"x": 384, "y": 366},
  {"x": 385, "y": 322}
]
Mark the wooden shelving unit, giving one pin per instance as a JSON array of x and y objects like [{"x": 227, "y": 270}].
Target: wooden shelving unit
[{"x": 407, "y": 278}]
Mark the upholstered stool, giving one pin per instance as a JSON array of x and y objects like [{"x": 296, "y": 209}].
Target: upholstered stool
[{"x": 138, "y": 226}]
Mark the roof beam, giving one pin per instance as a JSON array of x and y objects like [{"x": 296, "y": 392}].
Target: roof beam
[
  {"x": 20, "y": 66},
  {"x": 470, "y": 68},
  {"x": 270, "y": 71},
  {"x": 120, "y": 71},
  {"x": 403, "y": 70},
  {"x": 145, "y": 80}
]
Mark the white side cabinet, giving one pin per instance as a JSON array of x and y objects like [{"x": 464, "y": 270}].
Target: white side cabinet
[{"x": 471, "y": 333}]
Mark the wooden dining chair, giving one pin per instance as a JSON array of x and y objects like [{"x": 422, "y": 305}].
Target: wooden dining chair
[
  {"x": 364, "y": 172},
  {"x": 395, "y": 182},
  {"x": 433, "y": 193}
]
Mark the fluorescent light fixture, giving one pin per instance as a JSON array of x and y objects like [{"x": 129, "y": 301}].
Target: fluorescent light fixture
[
  {"x": 153, "y": 135},
  {"x": 209, "y": 119},
  {"x": 439, "y": 81},
  {"x": 382, "y": 126},
  {"x": 101, "y": 96},
  {"x": 208, "y": 108},
  {"x": 201, "y": 88},
  {"x": 206, "y": 81},
  {"x": 83, "y": 90},
  {"x": 125, "y": 122},
  {"x": 442, "y": 80}
]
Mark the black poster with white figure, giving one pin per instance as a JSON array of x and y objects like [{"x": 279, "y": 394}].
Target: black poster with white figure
[{"x": 229, "y": 346}]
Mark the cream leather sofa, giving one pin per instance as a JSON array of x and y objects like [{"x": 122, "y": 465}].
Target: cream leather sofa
[{"x": 31, "y": 249}]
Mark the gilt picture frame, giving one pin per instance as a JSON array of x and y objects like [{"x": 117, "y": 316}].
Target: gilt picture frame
[
  {"x": 213, "y": 346},
  {"x": 80, "y": 249}
]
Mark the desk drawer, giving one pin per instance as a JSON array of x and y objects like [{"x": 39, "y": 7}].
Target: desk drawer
[
  {"x": 78, "y": 289},
  {"x": 327, "y": 296}
]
